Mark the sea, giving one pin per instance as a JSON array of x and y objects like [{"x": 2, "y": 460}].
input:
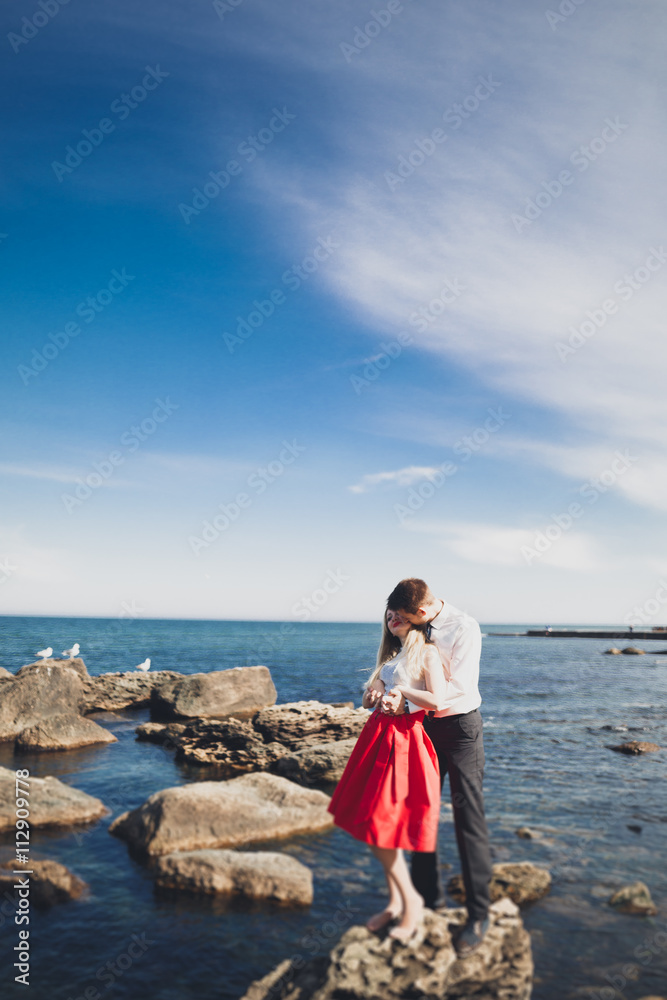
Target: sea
[{"x": 551, "y": 709}]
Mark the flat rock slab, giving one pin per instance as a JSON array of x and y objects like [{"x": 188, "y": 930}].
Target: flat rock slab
[
  {"x": 37, "y": 692},
  {"x": 300, "y": 722},
  {"x": 315, "y": 765},
  {"x": 128, "y": 689},
  {"x": 250, "y": 809},
  {"x": 240, "y": 692},
  {"x": 50, "y": 882},
  {"x": 635, "y": 898},
  {"x": 255, "y": 875},
  {"x": 367, "y": 966},
  {"x": 521, "y": 881},
  {"x": 63, "y": 732},
  {"x": 52, "y": 802},
  {"x": 635, "y": 747}
]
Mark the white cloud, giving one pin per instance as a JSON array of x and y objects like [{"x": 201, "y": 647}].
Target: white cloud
[
  {"x": 501, "y": 545},
  {"x": 399, "y": 477}
]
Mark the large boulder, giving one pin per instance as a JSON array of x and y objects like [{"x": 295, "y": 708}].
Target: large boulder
[
  {"x": 250, "y": 809},
  {"x": 635, "y": 898},
  {"x": 300, "y": 722},
  {"x": 255, "y": 875},
  {"x": 128, "y": 689},
  {"x": 240, "y": 692},
  {"x": 521, "y": 881},
  {"x": 50, "y": 882},
  {"x": 52, "y": 802},
  {"x": 232, "y": 745},
  {"x": 71, "y": 663},
  {"x": 63, "y": 732},
  {"x": 38, "y": 691},
  {"x": 315, "y": 765},
  {"x": 365, "y": 966}
]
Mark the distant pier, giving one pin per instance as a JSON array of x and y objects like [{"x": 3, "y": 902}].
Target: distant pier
[{"x": 589, "y": 633}]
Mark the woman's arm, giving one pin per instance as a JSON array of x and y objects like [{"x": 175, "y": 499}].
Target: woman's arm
[
  {"x": 433, "y": 699},
  {"x": 373, "y": 693}
]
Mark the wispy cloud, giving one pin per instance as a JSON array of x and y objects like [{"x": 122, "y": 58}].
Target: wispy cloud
[{"x": 398, "y": 477}]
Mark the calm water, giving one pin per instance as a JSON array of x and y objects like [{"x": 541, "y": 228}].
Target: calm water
[{"x": 545, "y": 703}]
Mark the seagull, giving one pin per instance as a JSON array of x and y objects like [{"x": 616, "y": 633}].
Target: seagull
[
  {"x": 146, "y": 665},
  {"x": 45, "y": 653},
  {"x": 74, "y": 651}
]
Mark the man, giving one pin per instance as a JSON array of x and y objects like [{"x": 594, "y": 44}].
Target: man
[{"x": 456, "y": 733}]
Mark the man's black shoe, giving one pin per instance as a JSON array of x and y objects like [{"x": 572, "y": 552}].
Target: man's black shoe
[{"x": 471, "y": 937}]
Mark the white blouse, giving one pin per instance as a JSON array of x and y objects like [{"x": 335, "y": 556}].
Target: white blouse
[{"x": 394, "y": 672}]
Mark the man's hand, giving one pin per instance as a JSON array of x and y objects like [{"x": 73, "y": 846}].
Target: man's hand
[{"x": 393, "y": 702}]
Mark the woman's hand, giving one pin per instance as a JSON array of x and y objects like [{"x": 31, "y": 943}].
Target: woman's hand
[
  {"x": 391, "y": 702},
  {"x": 371, "y": 698}
]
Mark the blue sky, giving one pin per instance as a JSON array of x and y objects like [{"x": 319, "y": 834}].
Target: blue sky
[{"x": 425, "y": 295}]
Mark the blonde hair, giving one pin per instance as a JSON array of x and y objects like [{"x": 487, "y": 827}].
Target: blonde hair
[{"x": 413, "y": 644}]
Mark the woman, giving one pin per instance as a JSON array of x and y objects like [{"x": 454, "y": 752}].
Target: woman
[{"x": 389, "y": 793}]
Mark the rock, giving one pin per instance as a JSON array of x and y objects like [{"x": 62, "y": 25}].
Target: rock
[
  {"x": 635, "y": 747},
  {"x": 246, "y": 810},
  {"x": 634, "y": 898},
  {"x": 321, "y": 764},
  {"x": 240, "y": 692},
  {"x": 633, "y": 651},
  {"x": 63, "y": 732},
  {"x": 613, "y": 651},
  {"x": 526, "y": 833},
  {"x": 365, "y": 966},
  {"x": 308, "y": 721},
  {"x": 255, "y": 875},
  {"x": 634, "y": 827},
  {"x": 52, "y": 802},
  {"x": 521, "y": 881},
  {"x": 50, "y": 882},
  {"x": 128, "y": 689},
  {"x": 38, "y": 692},
  {"x": 233, "y": 745},
  {"x": 166, "y": 734},
  {"x": 73, "y": 663},
  {"x": 4, "y": 673}
]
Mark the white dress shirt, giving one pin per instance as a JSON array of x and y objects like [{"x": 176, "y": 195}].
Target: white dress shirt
[{"x": 458, "y": 639}]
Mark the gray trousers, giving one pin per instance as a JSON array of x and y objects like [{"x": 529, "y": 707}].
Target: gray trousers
[{"x": 459, "y": 745}]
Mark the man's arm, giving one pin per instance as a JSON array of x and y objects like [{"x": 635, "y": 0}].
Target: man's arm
[{"x": 462, "y": 671}]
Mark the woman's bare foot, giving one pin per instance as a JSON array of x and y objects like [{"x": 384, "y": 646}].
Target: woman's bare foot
[
  {"x": 380, "y": 920},
  {"x": 410, "y": 920}
]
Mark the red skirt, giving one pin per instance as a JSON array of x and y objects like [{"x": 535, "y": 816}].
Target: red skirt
[{"x": 389, "y": 792}]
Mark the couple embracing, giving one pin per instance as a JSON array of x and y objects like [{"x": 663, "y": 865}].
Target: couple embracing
[{"x": 425, "y": 724}]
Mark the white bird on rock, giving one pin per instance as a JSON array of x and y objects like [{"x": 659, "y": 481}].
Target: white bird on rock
[
  {"x": 74, "y": 651},
  {"x": 45, "y": 653},
  {"x": 146, "y": 665}
]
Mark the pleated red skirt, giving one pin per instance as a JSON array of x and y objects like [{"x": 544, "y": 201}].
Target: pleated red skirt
[{"x": 389, "y": 792}]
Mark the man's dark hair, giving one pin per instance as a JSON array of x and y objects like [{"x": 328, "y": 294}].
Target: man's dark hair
[{"x": 409, "y": 595}]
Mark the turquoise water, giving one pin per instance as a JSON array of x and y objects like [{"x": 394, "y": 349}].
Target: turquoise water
[{"x": 544, "y": 705}]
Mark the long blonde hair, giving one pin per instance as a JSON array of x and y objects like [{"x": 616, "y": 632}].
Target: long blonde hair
[{"x": 413, "y": 644}]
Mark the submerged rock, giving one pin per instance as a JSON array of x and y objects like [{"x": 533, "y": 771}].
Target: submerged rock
[
  {"x": 635, "y": 747},
  {"x": 52, "y": 802},
  {"x": 63, "y": 732},
  {"x": 246, "y": 810},
  {"x": 365, "y": 966},
  {"x": 50, "y": 882},
  {"x": 613, "y": 651},
  {"x": 255, "y": 875},
  {"x": 240, "y": 692},
  {"x": 635, "y": 898},
  {"x": 633, "y": 651},
  {"x": 521, "y": 881}
]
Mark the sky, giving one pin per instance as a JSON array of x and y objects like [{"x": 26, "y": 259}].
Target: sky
[{"x": 304, "y": 298}]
